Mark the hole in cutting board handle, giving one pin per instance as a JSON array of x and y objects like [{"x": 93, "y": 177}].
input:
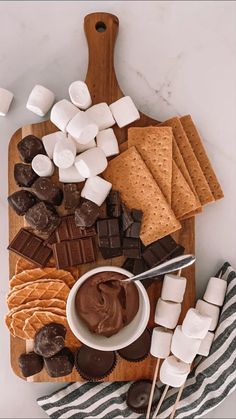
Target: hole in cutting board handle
[{"x": 100, "y": 27}]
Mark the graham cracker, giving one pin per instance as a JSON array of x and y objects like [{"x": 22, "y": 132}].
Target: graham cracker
[
  {"x": 130, "y": 176},
  {"x": 155, "y": 147},
  {"x": 199, "y": 181},
  {"x": 200, "y": 152},
  {"x": 24, "y": 265},
  {"x": 40, "y": 319},
  {"x": 42, "y": 273}
]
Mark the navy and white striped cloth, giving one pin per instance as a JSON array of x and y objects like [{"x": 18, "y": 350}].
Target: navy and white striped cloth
[{"x": 210, "y": 382}]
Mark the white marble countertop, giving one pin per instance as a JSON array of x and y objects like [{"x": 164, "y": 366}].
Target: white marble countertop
[{"x": 171, "y": 58}]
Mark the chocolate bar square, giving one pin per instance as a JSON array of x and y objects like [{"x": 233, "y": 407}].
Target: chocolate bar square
[
  {"x": 132, "y": 248},
  {"x": 74, "y": 252},
  {"x": 114, "y": 204},
  {"x": 109, "y": 233}
]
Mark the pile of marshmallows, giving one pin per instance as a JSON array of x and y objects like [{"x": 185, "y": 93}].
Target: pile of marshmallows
[
  {"x": 73, "y": 148},
  {"x": 193, "y": 337}
]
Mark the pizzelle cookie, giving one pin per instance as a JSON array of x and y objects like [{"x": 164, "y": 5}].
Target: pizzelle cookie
[
  {"x": 40, "y": 319},
  {"x": 24, "y": 265},
  {"x": 42, "y": 273}
]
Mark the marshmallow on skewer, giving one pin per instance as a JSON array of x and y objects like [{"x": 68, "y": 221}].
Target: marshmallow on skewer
[
  {"x": 82, "y": 128},
  {"x": 206, "y": 344},
  {"x": 62, "y": 112},
  {"x": 107, "y": 141},
  {"x": 64, "y": 153},
  {"x": 174, "y": 372},
  {"x": 42, "y": 165},
  {"x": 161, "y": 342},
  {"x": 195, "y": 324},
  {"x": 101, "y": 115},
  {"x": 50, "y": 140},
  {"x": 5, "y": 101},
  {"x": 184, "y": 347},
  {"x": 79, "y": 94},
  {"x": 40, "y": 100},
  {"x": 70, "y": 175},
  {"x": 215, "y": 291},
  {"x": 91, "y": 162},
  {"x": 173, "y": 288},
  {"x": 96, "y": 190},
  {"x": 124, "y": 111},
  {"x": 210, "y": 310},
  {"x": 83, "y": 147},
  {"x": 167, "y": 313}
]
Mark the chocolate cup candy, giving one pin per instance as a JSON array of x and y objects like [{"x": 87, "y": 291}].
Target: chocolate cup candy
[
  {"x": 47, "y": 191},
  {"x": 60, "y": 364},
  {"x": 139, "y": 349},
  {"x": 30, "y": 364},
  {"x": 138, "y": 396},
  {"x": 21, "y": 201},
  {"x": 29, "y": 147},
  {"x": 24, "y": 175},
  {"x": 49, "y": 340},
  {"x": 93, "y": 364}
]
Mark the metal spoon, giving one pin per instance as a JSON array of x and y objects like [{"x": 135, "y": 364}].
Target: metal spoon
[{"x": 171, "y": 265}]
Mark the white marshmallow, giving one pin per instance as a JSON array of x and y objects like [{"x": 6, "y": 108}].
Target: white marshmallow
[
  {"x": 64, "y": 153},
  {"x": 70, "y": 175},
  {"x": 161, "y": 342},
  {"x": 40, "y": 100},
  {"x": 210, "y": 310},
  {"x": 42, "y": 165},
  {"x": 79, "y": 94},
  {"x": 174, "y": 372},
  {"x": 61, "y": 114},
  {"x": 124, "y": 111},
  {"x": 206, "y": 344},
  {"x": 91, "y": 162},
  {"x": 101, "y": 115},
  {"x": 184, "y": 347},
  {"x": 173, "y": 288},
  {"x": 215, "y": 291},
  {"x": 195, "y": 324},
  {"x": 82, "y": 147},
  {"x": 107, "y": 141},
  {"x": 5, "y": 101},
  {"x": 82, "y": 128},
  {"x": 50, "y": 140},
  {"x": 96, "y": 190},
  {"x": 167, "y": 313}
]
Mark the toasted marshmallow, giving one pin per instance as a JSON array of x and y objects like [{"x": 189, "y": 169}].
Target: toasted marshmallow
[
  {"x": 5, "y": 101},
  {"x": 96, "y": 190},
  {"x": 124, "y": 111},
  {"x": 79, "y": 94},
  {"x": 107, "y": 141},
  {"x": 91, "y": 162},
  {"x": 62, "y": 112},
  {"x": 42, "y": 165},
  {"x": 40, "y": 100}
]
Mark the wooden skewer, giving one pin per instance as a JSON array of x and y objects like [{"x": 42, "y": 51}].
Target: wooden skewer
[
  {"x": 153, "y": 388},
  {"x": 177, "y": 400},
  {"x": 160, "y": 401}
]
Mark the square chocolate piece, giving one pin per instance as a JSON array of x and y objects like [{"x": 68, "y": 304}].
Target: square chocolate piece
[
  {"x": 114, "y": 204},
  {"x": 132, "y": 248},
  {"x": 134, "y": 230},
  {"x": 108, "y": 253},
  {"x": 109, "y": 233}
]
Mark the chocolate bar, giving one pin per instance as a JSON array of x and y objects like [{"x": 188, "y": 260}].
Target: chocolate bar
[
  {"x": 73, "y": 252},
  {"x": 109, "y": 233},
  {"x": 30, "y": 247},
  {"x": 134, "y": 230},
  {"x": 114, "y": 204},
  {"x": 132, "y": 248},
  {"x": 71, "y": 196},
  {"x": 68, "y": 230},
  {"x": 109, "y": 253},
  {"x": 136, "y": 266},
  {"x": 161, "y": 250},
  {"x": 127, "y": 219}
]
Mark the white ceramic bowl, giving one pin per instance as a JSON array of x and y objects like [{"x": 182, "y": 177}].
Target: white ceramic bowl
[{"x": 126, "y": 335}]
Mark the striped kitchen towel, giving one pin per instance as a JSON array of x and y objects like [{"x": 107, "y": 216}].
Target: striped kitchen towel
[{"x": 207, "y": 386}]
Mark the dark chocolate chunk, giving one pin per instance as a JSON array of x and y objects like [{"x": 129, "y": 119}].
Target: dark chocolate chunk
[
  {"x": 134, "y": 230},
  {"x": 74, "y": 252},
  {"x": 108, "y": 253},
  {"x": 161, "y": 250},
  {"x": 47, "y": 191},
  {"x": 139, "y": 266},
  {"x": 132, "y": 248},
  {"x": 114, "y": 204},
  {"x": 179, "y": 250},
  {"x": 21, "y": 201},
  {"x": 137, "y": 215},
  {"x": 60, "y": 364},
  {"x": 129, "y": 264},
  {"x": 86, "y": 214},
  {"x": 109, "y": 233},
  {"x": 24, "y": 175},
  {"x": 50, "y": 339},
  {"x": 139, "y": 349},
  {"x": 30, "y": 364},
  {"x": 42, "y": 217},
  {"x": 71, "y": 196},
  {"x": 93, "y": 364},
  {"x": 138, "y": 396},
  {"x": 29, "y": 147},
  {"x": 30, "y": 247},
  {"x": 127, "y": 218},
  {"x": 103, "y": 211}
]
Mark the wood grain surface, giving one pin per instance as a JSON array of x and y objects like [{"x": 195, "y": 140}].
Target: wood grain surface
[{"x": 104, "y": 87}]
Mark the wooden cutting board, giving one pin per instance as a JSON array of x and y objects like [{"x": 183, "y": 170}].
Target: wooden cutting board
[{"x": 101, "y": 31}]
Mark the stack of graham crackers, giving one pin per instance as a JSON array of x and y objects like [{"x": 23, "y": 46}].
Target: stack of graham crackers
[{"x": 166, "y": 173}]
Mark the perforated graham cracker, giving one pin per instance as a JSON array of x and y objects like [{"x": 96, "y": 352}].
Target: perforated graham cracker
[
  {"x": 199, "y": 181},
  {"x": 24, "y": 265},
  {"x": 40, "y": 319},
  {"x": 200, "y": 152},
  {"x": 42, "y": 273},
  {"x": 155, "y": 147},
  {"x": 130, "y": 176}
]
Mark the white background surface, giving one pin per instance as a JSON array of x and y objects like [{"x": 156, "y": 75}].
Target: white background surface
[{"x": 171, "y": 58}]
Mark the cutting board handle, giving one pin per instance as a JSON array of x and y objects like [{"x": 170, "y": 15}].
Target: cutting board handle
[{"x": 101, "y": 30}]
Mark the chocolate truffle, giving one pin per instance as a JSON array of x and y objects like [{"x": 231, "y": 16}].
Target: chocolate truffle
[
  {"x": 71, "y": 196},
  {"x": 86, "y": 214},
  {"x": 30, "y": 364},
  {"x": 50, "y": 339},
  {"x": 42, "y": 217},
  {"x": 60, "y": 364},
  {"x": 47, "y": 191},
  {"x": 24, "y": 175},
  {"x": 138, "y": 396},
  {"x": 21, "y": 201},
  {"x": 93, "y": 364},
  {"x": 29, "y": 147},
  {"x": 139, "y": 349}
]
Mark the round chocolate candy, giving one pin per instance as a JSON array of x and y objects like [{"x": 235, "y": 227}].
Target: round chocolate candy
[
  {"x": 47, "y": 191},
  {"x": 24, "y": 175},
  {"x": 30, "y": 364},
  {"x": 93, "y": 364},
  {"x": 29, "y": 147},
  {"x": 60, "y": 364},
  {"x": 139, "y": 349},
  {"x": 138, "y": 396},
  {"x": 21, "y": 201},
  {"x": 50, "y": 339}
]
